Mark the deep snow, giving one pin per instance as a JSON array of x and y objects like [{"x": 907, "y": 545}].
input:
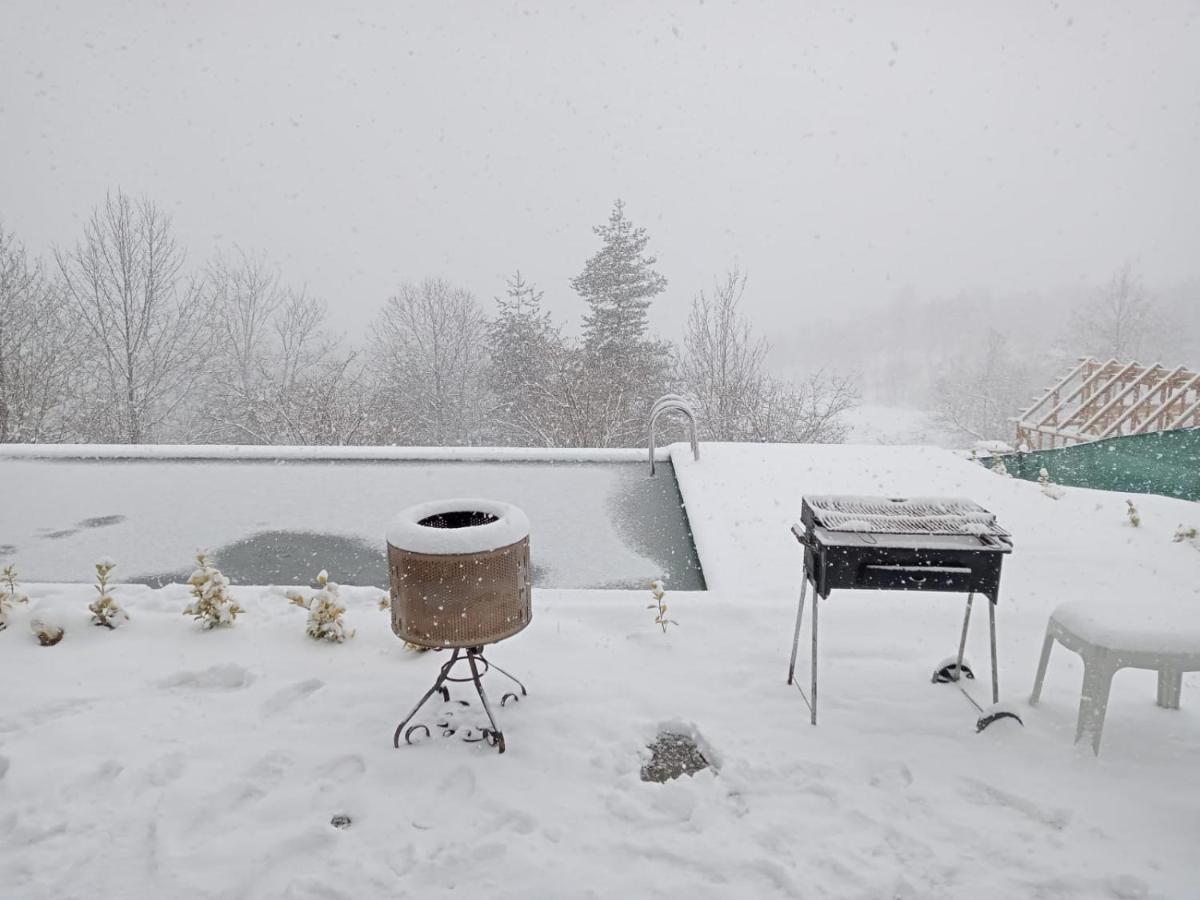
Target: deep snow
[{"x": 157, "y": 760}]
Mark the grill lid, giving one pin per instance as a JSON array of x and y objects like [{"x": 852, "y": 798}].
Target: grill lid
[{"x": 915, "y": 515}]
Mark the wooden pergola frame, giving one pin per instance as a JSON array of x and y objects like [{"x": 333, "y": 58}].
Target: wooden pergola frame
[{"x": 1105, "y": 399}]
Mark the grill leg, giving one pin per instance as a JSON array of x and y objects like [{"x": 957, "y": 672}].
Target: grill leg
[
  {"x": 814, "y": 661},
  {"x": 497, "y": 735},
  {"x": 995, "y": 670},
  {"x": 438, "y": 685},
  {"x": 962, "y": 641},
  {"x": 796, "y": 635}
]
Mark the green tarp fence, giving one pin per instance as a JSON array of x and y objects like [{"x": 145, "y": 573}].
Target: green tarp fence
[{"x": 1164, "y": 462}]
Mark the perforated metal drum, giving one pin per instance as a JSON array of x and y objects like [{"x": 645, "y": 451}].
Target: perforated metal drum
[{"x": 459, "y": 573}]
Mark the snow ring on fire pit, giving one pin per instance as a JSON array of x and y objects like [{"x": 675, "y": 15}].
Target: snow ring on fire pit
[{"x": 469, "y": 525}]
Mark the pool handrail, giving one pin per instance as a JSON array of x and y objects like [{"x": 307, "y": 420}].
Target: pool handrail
[{"x": 673, "y": 403}]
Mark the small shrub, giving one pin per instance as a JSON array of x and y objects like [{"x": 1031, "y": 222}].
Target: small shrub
[
  {"x": 660, "y": 607},
  {"x": 1049, "y": 488},
  {"x": 10, "y": 594},
  {"x": 1188, "y": 535},
  {"x": 211, "y": 606},
  {"x": 1000, "y": 468},
  {"x": 324, "y": 611},
  {"x": 1131, "y": 513},
  {"x": 106, "y": 612}
]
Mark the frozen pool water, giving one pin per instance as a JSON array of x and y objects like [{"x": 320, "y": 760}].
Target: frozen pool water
[{"x": 263, "y": 521}]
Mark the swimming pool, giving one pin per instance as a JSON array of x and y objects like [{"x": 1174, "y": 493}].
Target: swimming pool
[{"x": 595, "y": 523}]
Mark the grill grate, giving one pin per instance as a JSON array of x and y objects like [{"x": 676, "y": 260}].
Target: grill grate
[{"x": 919, "y": 515}]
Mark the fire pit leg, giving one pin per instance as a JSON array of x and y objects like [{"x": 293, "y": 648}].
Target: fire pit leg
[
  {"x": 509, "y": 676},
  {"x": 496, "y": 737},
  {"x": 438, "y": 686}
]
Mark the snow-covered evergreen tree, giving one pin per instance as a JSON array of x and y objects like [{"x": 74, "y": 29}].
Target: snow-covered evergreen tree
[
  {"x": 525, "y": 353},
  {"x": 622, "y": 371},
  {"x": 618, "y": 283},
  {"x": 325, "y": 611},
  {"x": 211, "y": 605}
]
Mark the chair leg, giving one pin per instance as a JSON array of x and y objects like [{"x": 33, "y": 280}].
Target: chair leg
[
  {"x": 1093, "y": 702},
  {"x": 1170, "y": 687},
  {"x": 1043, "y": 661}
]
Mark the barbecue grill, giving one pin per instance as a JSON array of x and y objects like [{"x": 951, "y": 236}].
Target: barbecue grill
[
  {"x": 460, "y": 579},
  {"x": 907, "y": 544}
]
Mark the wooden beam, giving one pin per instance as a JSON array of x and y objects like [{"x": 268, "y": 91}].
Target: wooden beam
[
  {"x": 1083, "y": 407},
  {"x": 1075, "y": 393},
  {"x": 1172, "y": 398},
  {"x": 1143, "y": 403},
  {"x": 1192, "y": 410},
  {"x": 1050, "y": 392},
  {"x": 1121, "y": 395}
]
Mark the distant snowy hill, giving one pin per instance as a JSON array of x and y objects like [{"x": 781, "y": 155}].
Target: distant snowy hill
[{"x": 875, "y": 424}]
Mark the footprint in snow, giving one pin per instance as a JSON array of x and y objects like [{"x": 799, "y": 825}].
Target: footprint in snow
[
  {"x": 287, "y": 697},
  {"x": 166, "y": 769},
  {"x": 888, "y": 774},
  {"x": 227, "y": 677}
]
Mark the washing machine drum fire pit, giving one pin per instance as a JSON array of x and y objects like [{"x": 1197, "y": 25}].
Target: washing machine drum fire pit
[
  {"x": 460, "y": 579},
  {"x": 459, "y": 573}
]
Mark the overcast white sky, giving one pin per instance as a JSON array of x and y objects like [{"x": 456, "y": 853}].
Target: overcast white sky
[{"x": 841, "y": 152}]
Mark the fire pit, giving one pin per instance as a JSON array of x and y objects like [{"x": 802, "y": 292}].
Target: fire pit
[{"x": 460, "y": 579}]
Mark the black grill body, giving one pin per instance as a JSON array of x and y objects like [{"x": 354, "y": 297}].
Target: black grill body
[
  {"x": 895, "y": 548},
  {"x": 919, "y": 544}
]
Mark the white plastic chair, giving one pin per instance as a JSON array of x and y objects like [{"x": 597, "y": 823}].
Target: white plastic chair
[{"x": 1161, "y": 637}]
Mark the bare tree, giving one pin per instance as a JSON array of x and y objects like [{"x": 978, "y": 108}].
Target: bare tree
[
  {"x": 1122, "y": 322},
  {"x": 723, "y": 367},
  {"x": 428, "y": 351},
  {"x": 36, "y": 349},
  {"x": 805, "y": 412},
  {"x": 722, "y": 361},
  {"x": 143, "y": 321},
  {"x": 278, "y": 378},
  {"x": 978, "y": 393}
]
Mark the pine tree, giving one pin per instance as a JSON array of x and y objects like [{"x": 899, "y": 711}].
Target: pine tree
[
  {"x": 524, "y": 348},
  {"x": 621, "y": 372},
  {"x": 618, "y": 283}
]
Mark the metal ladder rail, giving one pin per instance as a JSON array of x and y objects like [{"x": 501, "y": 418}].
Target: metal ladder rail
[{"x": 672, "y": 403}]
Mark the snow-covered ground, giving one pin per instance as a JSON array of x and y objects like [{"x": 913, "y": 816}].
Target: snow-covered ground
[{"x": 160, "y": 761}]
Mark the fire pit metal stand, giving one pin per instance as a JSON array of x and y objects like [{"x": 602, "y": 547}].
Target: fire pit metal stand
[{"x": 473, "y": 657}]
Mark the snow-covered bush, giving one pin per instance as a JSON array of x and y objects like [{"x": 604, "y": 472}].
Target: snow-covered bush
[
  {"x": 324, "y": 611},
  {"x": 48, "y": 633},
  {"x": 660, "y": 607},
  {"x": 211, "y": 604},
  {"x": 105, "y": 610},
  {"x": 1132, "y": 514},
  {"x": 999, "y": 467},
  {"x": 1049, "y": 488},
  {"x": 10, "y": 594}
]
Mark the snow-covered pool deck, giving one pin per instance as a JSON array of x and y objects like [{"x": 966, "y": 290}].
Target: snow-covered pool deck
[{"x": 159, "y": 761}]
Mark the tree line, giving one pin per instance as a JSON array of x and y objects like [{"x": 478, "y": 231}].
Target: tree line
[{"x": 116, "y": 341}]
